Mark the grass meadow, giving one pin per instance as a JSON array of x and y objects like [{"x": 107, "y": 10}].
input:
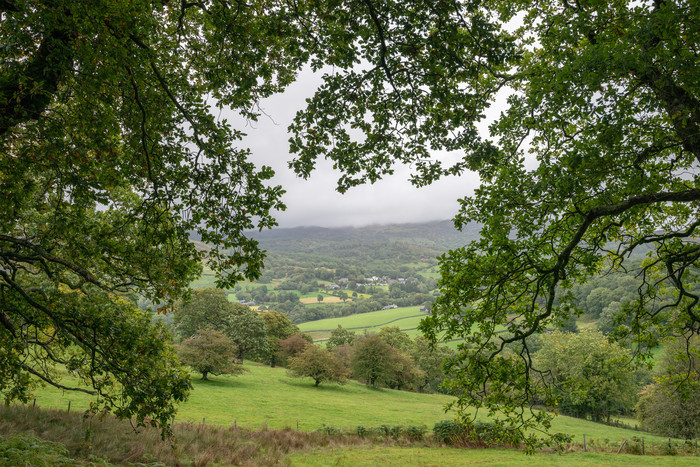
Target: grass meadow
[
  {"x": 405, "y": 318},
  {"x": 445, "y": 457},
  {"x": 268, "y": 395},
  {"x": 265, "y": 404}
]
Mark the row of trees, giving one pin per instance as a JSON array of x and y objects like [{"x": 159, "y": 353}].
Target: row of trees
[
  {"x": 208, "y": 317},
  {"x": 587, "y": 375},
  {"x": 389, "y": 358}
]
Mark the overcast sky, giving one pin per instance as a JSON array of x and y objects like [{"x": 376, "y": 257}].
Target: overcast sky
[{"x": 314, "y": 202}]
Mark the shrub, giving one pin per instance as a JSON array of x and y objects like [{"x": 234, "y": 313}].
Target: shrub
[
  {"x": 416, "y": 432},
  {"x": 330, "y": 430},
  {"x": 449, "y": 431}
]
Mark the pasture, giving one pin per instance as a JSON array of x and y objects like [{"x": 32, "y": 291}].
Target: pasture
[
  {"x": 406, "y": 318},
  {"x": 268, "y": 396}
]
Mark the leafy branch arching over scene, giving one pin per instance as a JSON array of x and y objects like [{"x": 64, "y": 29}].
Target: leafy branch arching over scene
[
  {"x": 110, "y": 154},
  {"x": 596, "y": 157}
]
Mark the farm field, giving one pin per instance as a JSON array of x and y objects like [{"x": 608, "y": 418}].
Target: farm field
[
  {"x": 326, "y": 299},
  {"x": 405, "y": 318},
  {"x": 268, "y": 394}
]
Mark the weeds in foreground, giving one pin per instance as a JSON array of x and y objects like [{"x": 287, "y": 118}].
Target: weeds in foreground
[{"x": 193, "y": 444}]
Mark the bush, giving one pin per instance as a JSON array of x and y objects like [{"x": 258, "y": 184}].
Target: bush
[
  {"x": 450, "y": 432},
  {"x": 416, "y": 432},
  {"x": 455, "y": 433},
  {"x": 330, "y": 430}
]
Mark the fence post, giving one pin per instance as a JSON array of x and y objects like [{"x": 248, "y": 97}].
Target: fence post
[
  {"x": 622, "y": 445},
  {"x": 34, "y": 404},
  {"x": 68, "y": 406},
  {"x": 234, "y": 424}
]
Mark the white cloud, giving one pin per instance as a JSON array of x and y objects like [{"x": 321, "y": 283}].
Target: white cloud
[{"x": 315, "y": 201}]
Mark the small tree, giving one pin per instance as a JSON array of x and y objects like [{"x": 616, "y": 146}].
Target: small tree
[
  {"x": 373, "y": 360},
  {"x": 319, "y": 297},
  {"x": 210, "y": 352},
  {"x": 430, "y": 361},
  {"x": 586, "y": 374},
  {"x": 319, "y": 364},
  {"x": 247, "y": 329},
  {"x": 396, "y": 338},
  {"x": 278, "y": 327},
  {"x": 292, "y": 346},
  {"x": 340, "y": 336},
  {"x": 671, "y": 406}
]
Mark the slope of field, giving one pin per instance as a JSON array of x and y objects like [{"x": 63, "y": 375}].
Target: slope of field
[
  {"x": 269, "y": 395},
  {"x": 406, "y": 318}
]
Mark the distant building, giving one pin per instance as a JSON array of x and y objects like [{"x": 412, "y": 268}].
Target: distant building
[{"x": 390, "y": 307}]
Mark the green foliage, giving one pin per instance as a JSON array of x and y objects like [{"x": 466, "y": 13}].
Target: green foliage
[
  {"x": 246, "y": 328},
  {"x": 449, "y": 431},
  {"x": 110, "y": 157},
  {"x": 373, "y": 361},
  {"x": 318, "y": 364},
  {"x": 430, "y": 361},
  {"x": 396, "y": 338},
  {"x": 277, "y": 327},
  {"x": 671, "y": 406},
  {"x": 210, "y": 352},
  {"x": 29, "y": 450},
  {"x": 340, "y": 336},
  {"x": 204, "y": 308},
  {"x": 586, "y": 374},
  {"x": 210, "y": 308},
  {"x": 330, "y": 430}
]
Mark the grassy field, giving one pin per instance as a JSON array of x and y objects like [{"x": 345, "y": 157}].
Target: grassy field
[
  {"x": 406, "y": 318},
  {"x": 440, "y": 457},
  {"x": 363, "y": 320},
  {"x": 266, "y": 394}
]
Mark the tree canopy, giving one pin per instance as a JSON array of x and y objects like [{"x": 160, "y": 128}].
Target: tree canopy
[
  {"x": 587, "y": 375},
  {"x": 594, "y": 156},
  {"x": 210, "y": 351},
  {"x": 110, "y": 155}
]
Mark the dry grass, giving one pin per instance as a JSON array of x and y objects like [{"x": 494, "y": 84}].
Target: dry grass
[
  {"x": 326, "y": 299},
  {"x": 194, "y": 444}
]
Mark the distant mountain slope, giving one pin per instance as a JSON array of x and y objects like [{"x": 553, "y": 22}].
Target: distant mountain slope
[{"x": 438, "y": 236}]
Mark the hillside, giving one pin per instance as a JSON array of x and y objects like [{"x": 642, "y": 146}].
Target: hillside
[
  {"x": 268, "y": 395},
  {"x": 438, "y": 235}
]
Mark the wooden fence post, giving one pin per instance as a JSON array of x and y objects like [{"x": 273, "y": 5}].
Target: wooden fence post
[
  {"x": 622, "y": 446},
  {"x": 68, "y": 406}
]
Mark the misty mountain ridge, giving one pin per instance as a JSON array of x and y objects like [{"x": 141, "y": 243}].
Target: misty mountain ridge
[{"x": 438, "y": 236}]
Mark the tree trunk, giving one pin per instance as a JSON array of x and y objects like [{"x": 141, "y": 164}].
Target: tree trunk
[{"x": 204, "y": 376}]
